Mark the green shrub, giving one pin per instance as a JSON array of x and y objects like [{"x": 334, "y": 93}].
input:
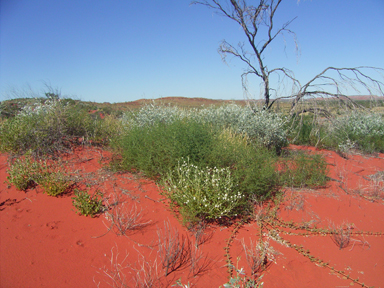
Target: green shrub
[
  {"x": 24, "y": 173},
  {"x": 52, "y": 127},
  {"x": 156, "y": 149},
  {"x": 86, "y": 204},
  {"x": 303, "y": 170},
  {"x": 303, "y": 130},
  {"x": 54, "y": 183},
  {"x": 252, "y": 165}
]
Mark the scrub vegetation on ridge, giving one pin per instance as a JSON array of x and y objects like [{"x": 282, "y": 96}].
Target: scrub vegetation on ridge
[{"x": 212, "y": 162}]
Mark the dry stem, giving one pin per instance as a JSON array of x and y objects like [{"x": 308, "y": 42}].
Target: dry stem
[{"x": 174, "y": 251}]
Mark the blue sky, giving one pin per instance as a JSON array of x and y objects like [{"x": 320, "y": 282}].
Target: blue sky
[{"x": 124, "y": 50}]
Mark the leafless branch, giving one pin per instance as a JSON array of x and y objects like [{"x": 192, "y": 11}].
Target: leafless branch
[
  {"x": 257, "y": 22},
  {"x": 199, "y": 231},
  {"x": 251, "y": 18},
  {"x": 357, "y": 78},
  {"x": 174, "y": 251},
  {"x": 200, "y": 263}
]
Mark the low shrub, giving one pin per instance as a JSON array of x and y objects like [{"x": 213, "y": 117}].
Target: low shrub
[
  {"x": 152, "y": 114},
  {"x": 364, "y": 131},
  {"x": 27, "y": 172},
  {"x": 358, "y": 130},
  {"x": 52, "y": 127},
  {"x": 54, "y": 183},
  {"x": 86, "y": 204},
  {"x": 24, "y": 173},
  {"x": 264, "y": 127},
  {"x": 156, "y": 149}
]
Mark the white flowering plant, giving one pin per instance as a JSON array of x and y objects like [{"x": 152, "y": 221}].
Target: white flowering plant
[{"x": 204, "y": 193}]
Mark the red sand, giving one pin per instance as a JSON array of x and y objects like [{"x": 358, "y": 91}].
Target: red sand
[{"x": 44, "y": 243}]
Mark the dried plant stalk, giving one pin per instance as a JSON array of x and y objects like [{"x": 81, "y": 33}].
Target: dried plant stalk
[
  {"x": 174, "y": 251},
  {"x": 115, "y": 272},
  {"x": 125, "y": 219},
  {"x": 146, "y": 275},
  {"x": 256, "y": 256},
  {"x": 341, "y": 235},
  {"x": 199, "y": 263}
]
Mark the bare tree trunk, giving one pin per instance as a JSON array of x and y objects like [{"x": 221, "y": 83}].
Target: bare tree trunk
[{"x": 322, "y": 86}]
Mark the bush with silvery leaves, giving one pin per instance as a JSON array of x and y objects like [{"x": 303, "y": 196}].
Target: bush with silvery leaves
[
  {"x": 358, "y": 130},
  {"x": 362, "y": 124},
  {"x": 264, "y": 127},
  {"x": 150, "y": 114},
  {"x": 39, "y": 108},
  {"x": 53, "y": 126}
]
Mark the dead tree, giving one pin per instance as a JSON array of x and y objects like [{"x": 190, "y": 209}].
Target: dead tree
[{"x": 257, "y": 23}]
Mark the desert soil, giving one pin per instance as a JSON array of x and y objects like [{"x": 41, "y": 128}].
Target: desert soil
[{"x": 45, "y": 243}]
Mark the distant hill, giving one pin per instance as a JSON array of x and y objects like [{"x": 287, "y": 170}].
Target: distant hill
[
  {"x": 183, "y": 102},
  {"x": 11, "y": 107}
]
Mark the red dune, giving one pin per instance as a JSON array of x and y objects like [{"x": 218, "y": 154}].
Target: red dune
[{"x": 45, "y": 243}]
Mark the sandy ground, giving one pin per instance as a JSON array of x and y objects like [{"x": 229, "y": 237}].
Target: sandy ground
[{"x": 45, "y": 243}]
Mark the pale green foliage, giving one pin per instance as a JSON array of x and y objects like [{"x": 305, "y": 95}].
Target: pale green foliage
[
  {"x": 53, "y": 126},
  {"x": 41, "y": 108},
  {"x": 241, "y": 280},
  {"x": 264, "y": 127},
  {"x": 25, "y": 172},
  {"x": 361, "y": 124},
  {"x": 151, "y": 114},
  {"x": 204, "y": 193},
  {"x": 358, "y": 130}
]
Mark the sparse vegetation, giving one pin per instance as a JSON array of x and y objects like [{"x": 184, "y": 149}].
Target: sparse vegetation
[
  {"x": 213, "y": 164},
  {"x": 303, "y": 170}
]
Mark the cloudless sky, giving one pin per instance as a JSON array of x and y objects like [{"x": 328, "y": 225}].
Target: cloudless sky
[{"x": 124, "y": 50}]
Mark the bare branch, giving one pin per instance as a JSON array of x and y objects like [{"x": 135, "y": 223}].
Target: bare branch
[
  {"x": 251, "y": 18},
  {"x": 257, "y": 22},
  {"x": 320, "y": 85}
]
